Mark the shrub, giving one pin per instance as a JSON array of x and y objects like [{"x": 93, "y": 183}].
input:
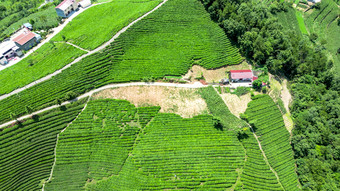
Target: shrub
[{"x": 70, "y": 95}]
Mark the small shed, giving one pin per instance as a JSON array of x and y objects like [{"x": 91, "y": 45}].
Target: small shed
[
  {"x": 85, "y": 3},
  {"x": 28, "y": 26},
  {"x": 66, "y": 7}
]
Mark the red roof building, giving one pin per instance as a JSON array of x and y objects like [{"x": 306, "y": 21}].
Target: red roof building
[
  {"x": 26, "y": 40},
  {"x": 242, "y": 75}
]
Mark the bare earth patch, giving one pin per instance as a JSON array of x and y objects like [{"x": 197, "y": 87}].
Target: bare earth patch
[
  {"x": 279, "y": 90},
  {"x": 182, "y": 101},
  {"x": 236, "y": 105},
  {"x": 214, "y": 75}
]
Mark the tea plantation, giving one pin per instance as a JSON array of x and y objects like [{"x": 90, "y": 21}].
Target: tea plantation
[
  {"x": 27, "y": 149},
  {"x": 267, "y": 122},
  {"x": 167, "y": 42},
  {"x": 91, "y": 29}
]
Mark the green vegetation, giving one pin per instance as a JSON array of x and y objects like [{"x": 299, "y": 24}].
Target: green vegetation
[
  {"x": 112, "y": 137},
  {"x": 100, "y": 23},
  {"x": 97, "y": 144},
  {"x": 266, "y": 119},
  {"x": 218, "y": 108},
  {"x": 316, "y": 135},
  {"x": 45, "y": 60},
  {"x": 27, "y": 149},
  {"x": 324, "y": 21},
  {"x": 301, "y": 22},
  {"x": 256, "y": 174},
  {"x": 239, "y": 91},
  {"x": 166, "y": 43},
  {"x": 13, "y": 13},
  {"x": 45, "y": 18},
  {"x": 176, "y": 153},
  {"x": 288, "y": 20}
]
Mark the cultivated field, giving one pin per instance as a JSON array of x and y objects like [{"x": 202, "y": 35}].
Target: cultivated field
[
  {"x": 266, "y": 119},
  {"x": 27, "y": 149},
  {"x": 99, "y": 23},
  {"x": 167, "y": 42},
  {"x": 44, "y": 61},
  {"x": 324, "y": 22}
]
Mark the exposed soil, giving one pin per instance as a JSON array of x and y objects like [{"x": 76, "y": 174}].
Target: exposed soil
[
  {"x": 236, "y": 105},
  {"x": 185, "y": 102},
  {"x": 214, "y": 75}
]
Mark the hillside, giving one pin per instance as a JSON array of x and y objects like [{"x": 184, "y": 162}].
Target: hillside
[{"x": 128, "y": 97}]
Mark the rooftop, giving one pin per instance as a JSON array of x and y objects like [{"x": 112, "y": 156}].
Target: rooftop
[
  {"x": 5, "y": 46},
  {"x": 64, "y": 4},
  {"x": 24, "y": 37},
  {"x": 241, "y": 74}
]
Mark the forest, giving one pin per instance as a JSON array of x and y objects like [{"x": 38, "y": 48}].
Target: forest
[{"x": 255, "y": 28}]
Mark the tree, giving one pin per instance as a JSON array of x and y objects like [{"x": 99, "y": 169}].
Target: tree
[
  {"x": 63, "y": 37},
  {"x": 58, "y": 101},
  {"x": 2, "y": 8},
  {"x": 257, "y": 84}
]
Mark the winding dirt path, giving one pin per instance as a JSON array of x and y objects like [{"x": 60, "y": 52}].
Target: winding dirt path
[{"x": 81, "y": 57}]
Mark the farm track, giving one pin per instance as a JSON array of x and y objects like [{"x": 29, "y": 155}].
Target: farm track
[
  {"x": 74, "y": 46},
  {"x": 89, "y": 94},
  {"x": 81, "y": 57}
]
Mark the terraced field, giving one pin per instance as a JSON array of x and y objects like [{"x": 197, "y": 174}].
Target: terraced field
[
  {"x": 27, "y": 150},
  {"x": 97, "y": 144},
  {"x": 289, "y": 20},
  {"x": 324, "y": 22},
  {"x": 44, "y": 61},
  {"x": 256, "y": 174},
  {"x": 166, "y": 43},
  {"x": 268, "y": 124},
  {"x": 176, "y": 153},
  {"x": 91, "y": 29}
]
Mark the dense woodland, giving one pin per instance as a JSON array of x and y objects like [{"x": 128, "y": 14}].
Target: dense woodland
[{"x": 254, "y": 27}]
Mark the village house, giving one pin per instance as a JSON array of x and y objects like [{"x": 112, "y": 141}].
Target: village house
[
  {"x": 8, "y": 50},
  {"x": 242, "y": 76},
  {"x": 66, "y": 7},
  {"x": 27, "y": 40}
]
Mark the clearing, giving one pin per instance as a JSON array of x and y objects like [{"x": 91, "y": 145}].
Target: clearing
[
  {"x": 214, "y": 75},
  {"x": 236, "y": 104},
  {"x": 182, "y": 101}
]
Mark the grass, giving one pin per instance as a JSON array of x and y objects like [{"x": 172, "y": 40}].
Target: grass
[
  {"x": 27, "y": 150},
  {"x": 100, "y": 23},
  {"x": 44, "y": 61},
  {"x": 162, "y": 44},
  {"x": 300, "y": 19}
]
